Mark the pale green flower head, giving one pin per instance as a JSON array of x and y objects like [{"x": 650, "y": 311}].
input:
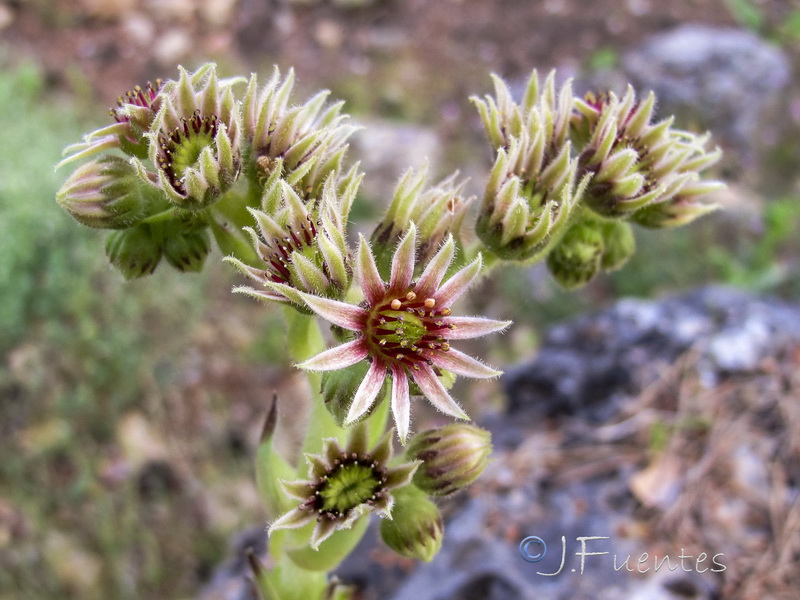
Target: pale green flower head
[
  {"x": 302, "y": 245},
  {"x": 436, "y": 212},
  {"x": 195, "y": 138},
  {"x": 533, "y": 187},
  {"x": 344, "y": 484}
]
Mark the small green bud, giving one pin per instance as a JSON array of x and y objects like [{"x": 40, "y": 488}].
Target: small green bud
[
  {"x": 186, "y": 246},
  {"x": 452, "y": 457},
  {"x": 577, "y": 256},
  {"x": 339, "y": 387},
  {"x": 619, "y": 244},
  {"x": 104, "y": 194},
  {"x": 416, "y": 528},
  {"x": 137, "y": 251}
]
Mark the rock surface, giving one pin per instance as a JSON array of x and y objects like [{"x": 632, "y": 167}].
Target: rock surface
[{"x": 730, "y": 80}]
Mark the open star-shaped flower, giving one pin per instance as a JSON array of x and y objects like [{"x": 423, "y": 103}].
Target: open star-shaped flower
[
  {"x": 404, "y": 328},
  {"x": 344, "y": 484}
]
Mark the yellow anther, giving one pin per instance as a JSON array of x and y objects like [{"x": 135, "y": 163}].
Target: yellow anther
[
  {"x": 396, "y": 304},
  {"x": 430, "y": 302},
  {"x": 446, "y": 312},
  {"x": 445, "y": 347},
  {"x": 411, "y": 296}
]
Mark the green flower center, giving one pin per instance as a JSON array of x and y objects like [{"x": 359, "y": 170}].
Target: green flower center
[
  {"x": 180, "y": 149},
  {"x": 347, "y": 487},
  {"x": 408, "y": 330}
]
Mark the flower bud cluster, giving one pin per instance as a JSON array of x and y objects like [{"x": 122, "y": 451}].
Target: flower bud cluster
[
  {"x": 301, "y": 245},
  {"x": 188, "y": 149},
  {"x": 565, "y": 164}
]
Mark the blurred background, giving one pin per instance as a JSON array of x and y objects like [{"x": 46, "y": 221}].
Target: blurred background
[{"x": 129, "y": 412}]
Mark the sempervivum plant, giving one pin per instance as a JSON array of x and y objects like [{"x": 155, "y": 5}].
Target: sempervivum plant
[{"x": 199, "y": 159}]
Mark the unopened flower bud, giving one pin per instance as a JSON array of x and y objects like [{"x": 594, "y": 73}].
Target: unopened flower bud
[
  {"x": 533, "y": 187},
  {"x": 104, "y": 194},
  {"x": 136, "y": 251},
  {"x": 416, "y": 528},
  {"x": 310, "y": 138},
  {"x": 619, "y": 244},
  {"x": 635, "y": 162},
  {"x": 436, "y": 212},
  {"x": 578, "y": 255},
  {"x": 302, "y": 246},
  {"x": 452, "y": 457},
  {"x": 186, "y": 246}
]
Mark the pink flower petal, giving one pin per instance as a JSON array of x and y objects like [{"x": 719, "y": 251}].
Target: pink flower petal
[
  {"x": 370, "y": 280},
  {"x": 403, "y": 262},
  {"x": 401, "y": 403},
  {"x": 432, "y": 276},
  {"x": 339, "y": 313},
  {"x": 338, "y": 357},
  {"x": 461, "y": 364},
  {"x": 458, "y": 284},
  {"x": 367, "y": 391},
  {"x": 434, "y": 391},
  {"x": 472, "y": 327}
]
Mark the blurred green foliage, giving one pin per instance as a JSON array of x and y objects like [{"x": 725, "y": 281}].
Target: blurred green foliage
[{"x": 80, "y": 348}]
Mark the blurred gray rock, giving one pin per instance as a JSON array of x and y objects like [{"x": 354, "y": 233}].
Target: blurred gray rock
[
  {"x": 591, "y": 366},
  {"x": 730, "y": 80},
  {"x": 387, "y": 149}
]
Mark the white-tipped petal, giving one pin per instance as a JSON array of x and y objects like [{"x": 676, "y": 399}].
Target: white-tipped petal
[
  {"x": 437, "y": 267},
  {"x": 401, "y": 403},
  {"x": 339, "y": 313},
  {"x": 403, "y": 261},
  {"x": 322, "y": 531},
  {"x": 458, "y": 283},
  {"x": 367, "y": 391},
  {"x": 291, "y": 520},
  {"x": 369, "y": 278},
  {"x": 338, "y": 357},
  {"x": 473, "y": 327},
  {"x": 462, "y": 364},
  {"x": 434, "y": 391}
]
